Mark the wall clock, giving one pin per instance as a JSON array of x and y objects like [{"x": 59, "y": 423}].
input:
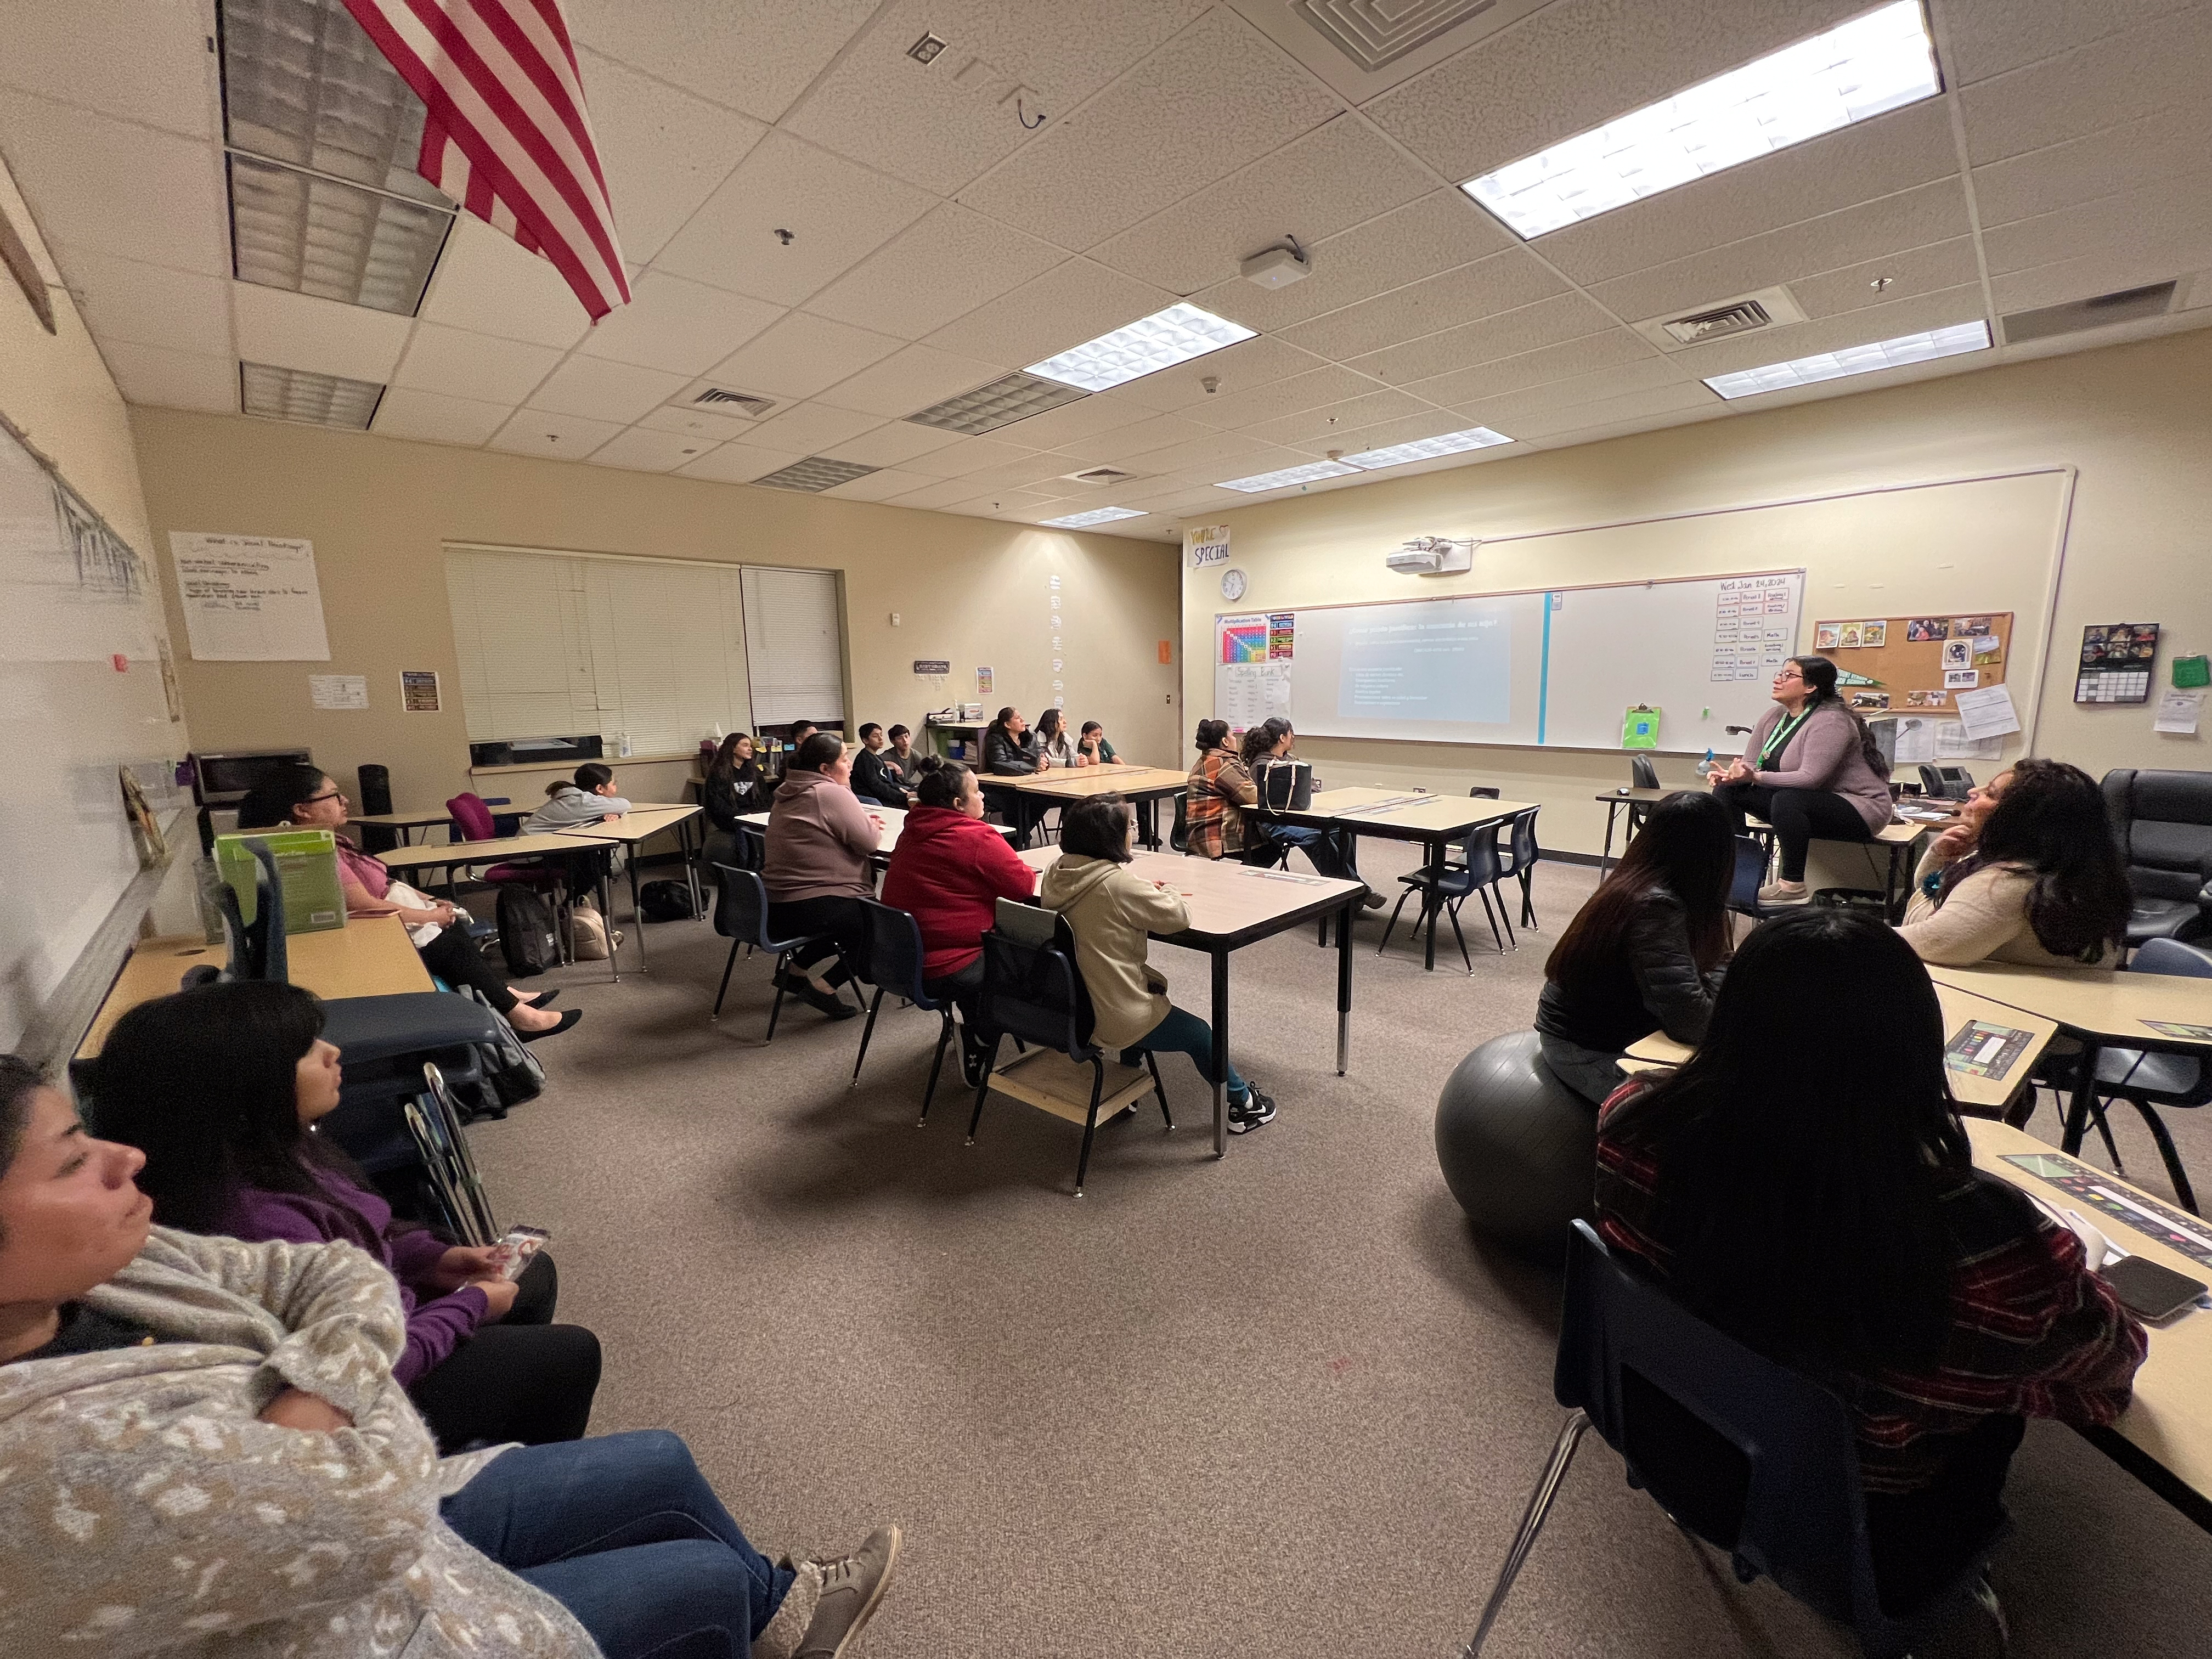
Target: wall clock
[{"x": 1232, "y": 585}]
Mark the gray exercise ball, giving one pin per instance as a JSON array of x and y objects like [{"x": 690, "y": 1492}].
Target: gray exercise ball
[{"x": 1518, "y": 1147}]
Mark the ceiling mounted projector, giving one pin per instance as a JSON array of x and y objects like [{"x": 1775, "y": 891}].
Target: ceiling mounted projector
[
  {"x": 1432, "y": 555},
  {"x": 1278, "y": 266}
]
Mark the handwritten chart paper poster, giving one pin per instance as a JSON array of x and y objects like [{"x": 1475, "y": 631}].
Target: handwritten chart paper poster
[{"x": 250, "y": 598}]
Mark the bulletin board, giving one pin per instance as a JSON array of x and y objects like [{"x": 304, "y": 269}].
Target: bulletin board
[{"x": 1898, "y": 664}]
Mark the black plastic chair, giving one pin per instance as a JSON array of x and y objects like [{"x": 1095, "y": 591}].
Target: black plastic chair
[
  {"x": 741, "y": 917},
  {"x": 1522, "y": 853},
  {"x": 895, "y": 959},
  {"x": 1178, "y": 833},
  {"x": 2148, "y": 1081},
  {"x": 752, "y": 847},
  {"x": 1642, "y": 773},
  {"x": 1478, "y": 870},
  {"x": 1034, "y": 993},
  {"x": 1757, "y": 1460},
  {"x": 1750, "y": 855}
]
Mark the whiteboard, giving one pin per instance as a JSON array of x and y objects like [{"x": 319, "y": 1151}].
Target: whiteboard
[
  {"x": 1556, "y": 667},
  {"x": 77, "y": 599}
]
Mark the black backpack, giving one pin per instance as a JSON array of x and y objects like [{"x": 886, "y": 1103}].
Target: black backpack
[
  {"x": 528, "y": 937},
  {"x": 667, "y": 900}
]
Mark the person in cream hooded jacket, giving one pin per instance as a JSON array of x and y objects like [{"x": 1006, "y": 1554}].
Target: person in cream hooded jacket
[{"x": 1110, "y": 910}]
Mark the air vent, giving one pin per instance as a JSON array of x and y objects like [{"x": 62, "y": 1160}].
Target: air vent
[
  {"x": 2101, "y": 312},
  {"x": 1740, "y": 313},
  {"x": 815, "y": 474},
  {"x": 1098, "y": 475},
  {"x": 727, "y": 402},
  {"x": 1374, "y": 32},
  {"x": 1014, "y": 398}
]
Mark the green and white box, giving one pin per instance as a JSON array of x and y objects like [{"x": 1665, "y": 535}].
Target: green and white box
[{"x": 306, "y": 863}]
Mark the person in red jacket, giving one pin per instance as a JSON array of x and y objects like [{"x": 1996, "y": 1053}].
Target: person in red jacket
[{"x": 950, "y": 869}]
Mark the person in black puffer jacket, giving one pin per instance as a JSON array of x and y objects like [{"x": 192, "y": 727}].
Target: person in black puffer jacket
[
  {"x": 1011, "y": 749},
  {"x": 1646, "y": 953}
]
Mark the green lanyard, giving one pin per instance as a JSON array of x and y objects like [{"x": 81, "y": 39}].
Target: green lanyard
[{"x": 1780, "y": 738}]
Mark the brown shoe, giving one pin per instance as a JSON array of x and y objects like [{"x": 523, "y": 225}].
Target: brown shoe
[{"x": 851, "y": 1587}]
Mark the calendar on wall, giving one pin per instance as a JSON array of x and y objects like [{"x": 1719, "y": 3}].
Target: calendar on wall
[{"x": 2116, "y": 661}]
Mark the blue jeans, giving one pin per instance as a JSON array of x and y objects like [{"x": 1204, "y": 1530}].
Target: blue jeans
[
  {"x": 625, "y": 1533},
  {"x": 1183, "y": 1033},
  {"x": 1316, "y": 844}
]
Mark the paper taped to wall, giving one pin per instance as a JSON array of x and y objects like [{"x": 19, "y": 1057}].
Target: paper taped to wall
[{"x": 250, "y": 598}]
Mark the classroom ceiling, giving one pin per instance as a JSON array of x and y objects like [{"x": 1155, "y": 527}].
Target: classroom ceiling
[{"x": 1059, "y": 171}]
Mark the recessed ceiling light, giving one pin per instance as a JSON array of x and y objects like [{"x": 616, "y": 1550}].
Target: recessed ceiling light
[
  {"x": 1096, "y": 515},
  {"x": 293, "y": 394},
  {"x": 1854, "y": 360},
  {"x": 815, "y": 474},
  {"x": 1012, "y": 398},
  {"x": 1145, "y": 347},
  {"x": 1859, "y": 69},
  {"x": 1289, "y": 475},
  {"x": 1423, "y": 449},
  {"x": 300, "y": 231}
]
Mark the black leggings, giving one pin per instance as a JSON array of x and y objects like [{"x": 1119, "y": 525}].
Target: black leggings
[
  {"x": 1798, "y": 815},
  {"x": 840, "y": 923},
  {"x": 454, "y": 957},
  {"x": 521, "y": 1379}
]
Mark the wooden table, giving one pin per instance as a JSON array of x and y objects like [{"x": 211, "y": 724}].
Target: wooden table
[
  {"x": 1435, "y": 820},
  {"x": 1232, "y": 905},
  {"x": 402, "y": 822},
  {"x": 369, "y": 957},
  {"x": 1142, "y": 785},
  {"x": 632, "y": 829},
  {"x": 2164, "y": 1439},
  {"x": 455, "y": 856}
]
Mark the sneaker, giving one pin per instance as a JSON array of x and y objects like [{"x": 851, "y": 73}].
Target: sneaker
[
  {"x": 1257, "y": 1109},
  {"x": 1784, "y": 892},
  {"x": 851, "y": 1587},
  {"x": 1374, "y": 901}
]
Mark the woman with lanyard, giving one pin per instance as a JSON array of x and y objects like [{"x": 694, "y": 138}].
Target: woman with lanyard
[{"x": 1810, "y": 769}]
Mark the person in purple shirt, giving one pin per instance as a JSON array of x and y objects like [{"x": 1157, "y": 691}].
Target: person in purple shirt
[{"x": 221, "y": 1087}]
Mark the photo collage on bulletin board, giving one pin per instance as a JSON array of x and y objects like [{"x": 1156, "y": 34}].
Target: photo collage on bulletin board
[{"x": 1892, "y": 663}]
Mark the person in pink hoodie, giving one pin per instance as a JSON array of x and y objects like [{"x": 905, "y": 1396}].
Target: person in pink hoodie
[
  {"x": 950, "y": 869},
  {"x": 820, "y": 838}
]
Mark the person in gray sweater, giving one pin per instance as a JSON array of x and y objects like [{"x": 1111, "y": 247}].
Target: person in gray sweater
[
  {"x": 820, "y": 840},
  {"x": 586, "y": 800},
  {"x": 1810, "y": 769}
]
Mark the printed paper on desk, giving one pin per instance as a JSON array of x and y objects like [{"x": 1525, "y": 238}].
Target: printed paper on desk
[
  {"x": 2179, "y": 712},
  {"x": 1987, "y": 713}
]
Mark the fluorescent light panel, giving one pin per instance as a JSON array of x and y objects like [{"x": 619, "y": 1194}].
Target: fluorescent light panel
[
  {"x": 1921, "y": 348},
  {"x": 1096, "y": 515},
  {"x": 1425, "y": 449},
  {"x": 1145, "y": 347},
  {"x": 1859, "y": 69},
  {"x": 293, "y": 230},
  {"x": 1014, "y": 398},
  {"x": 1289, "y": 475},
  {"x": 293, "y": 394},
  {"x": 815, "y": 474}
]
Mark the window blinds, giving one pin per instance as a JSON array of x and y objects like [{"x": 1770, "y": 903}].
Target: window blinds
[
  {"x": 654, "y": 650},
  {"x": 796, "y": 659}
]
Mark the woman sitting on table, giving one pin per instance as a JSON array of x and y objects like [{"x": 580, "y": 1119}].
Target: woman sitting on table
[
  {"x": 208, "y": 1453},
  {"x": 1055, "y": 747},
  {"x": 1271, "y": 740},
  {"x": 1810, "y": 769},
  {"x": 220, "y": 1086},
  {"x": 871, "y": 777},
  {"x": 950, "y": 869},
  {"x": 1804, "y": 1183},
  {"x": 2030, "y": 873},
  {"x": 1110, "y": 910},
  {"x": 819, "y": 840},
  {"x": 1646, "y": 953},
  {"x": 1094, "y": 747},
  {"x": 299, "y": 797},
  {"x": 590, "y": 799}
]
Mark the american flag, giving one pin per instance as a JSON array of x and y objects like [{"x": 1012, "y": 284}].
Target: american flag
[{"x": 506, "y": 135}]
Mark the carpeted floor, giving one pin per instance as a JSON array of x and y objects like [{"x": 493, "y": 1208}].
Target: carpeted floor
[{"x": 1282, "y": 1405}]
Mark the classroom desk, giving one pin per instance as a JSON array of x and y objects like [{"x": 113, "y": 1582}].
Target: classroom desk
[
  {"x": 1972, "y": 1088},
  {"x": 632, "y": 829},
  {"x": 891, "y": 817},
  {"x": 402, "y": 822},
  {"x": 1435, "y": 820},
  {"x": 1142, "y": 785},
  {"x": 2164, "y": 1439},
  {"x": 1232, "y": 905},
  {"x": 369, "y": 957},
  {"x": 461, "y": 855},
  {"x": 1639, "y": 803}
]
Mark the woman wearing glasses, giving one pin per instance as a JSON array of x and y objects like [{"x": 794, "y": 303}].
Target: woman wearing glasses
[{"x": 1810, "y": 769}]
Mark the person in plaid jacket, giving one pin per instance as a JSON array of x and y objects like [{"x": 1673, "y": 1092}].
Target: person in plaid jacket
[{"x": 1220, "y": 789}]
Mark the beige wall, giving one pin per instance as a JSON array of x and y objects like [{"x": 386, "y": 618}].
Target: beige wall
[
  {"x": 380, "y": 511},
  {"x": 2135, "y": 422}
]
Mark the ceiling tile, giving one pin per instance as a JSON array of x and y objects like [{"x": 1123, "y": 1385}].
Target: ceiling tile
[
  {"x": 663, "y": 150},
  {"x": 478, "y": 367},
  {"x": 298, "y": 330},
  {"x": 1576, "y": 66},
  {"x": 1331, "y": 421},
  {"x": 890, "y": 444},
  {"x": 2118, "y": 78},
  {"x": 1042, "y": 473},
  {"x": 969, "y": 455},
  {"x": 810, "y": 428},
  {"x": 2171, "y": 215},
  {"x": 600, "y": 390},
  {"x": 116, "y": 187},
  {"x": 1556, "y": 362},
  {"x": 739, "y": 463},
  {"x": 1080, "y": 419},
  {"x": 909, "y": 379},
  {"x": 144, "y": 63},
  {"x": 699, "y": 423},
  {"x": 434, "y": 418},
  {"x": 1916, "y": 271},
  {"x": 1604, "y": 412},
  {"x": 940, "y": 268},
  {"x": 559, "y": 437},
  {"x": 1639, "y": 375},
  {"x": 1260, "y": 361},
  {"x": 1013, "y": 503},
  {"x": 677, "y": 325},
  {"x": 755, "y": 56},
  {"x": 939, "y": 494},
  {"x": 1215, "y": 448},
  {"x": 149, "y": 305},
  {"x": 838, "y": 212},
  {"x": 1074, "y": 301},
  {"x": 880, "y": 486},
  {"x": 2090, "y": 275},
  {"x": 801, "y": 355},
  {"x": 643, "y": 449},
  {"x": 1152, "y": 432},
  {"x": 1216, "y": 96},
  {"x": 1330, "y": 384},
  {"x": 487, "y": 283},
  {"x": 1861, "y": 327},
  {"x": 1502, "y": 282},
  {"x": 1911, "y": 218},
  {"x": 1891, "y": 152},
  {"x": 2170, "y": 145},
  {"x": 1429, "y": 423},
  {"x": 1988, "y": 37},
  {"x": 1339, "y": 175},
  {"x": 172, "y": 380}
]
